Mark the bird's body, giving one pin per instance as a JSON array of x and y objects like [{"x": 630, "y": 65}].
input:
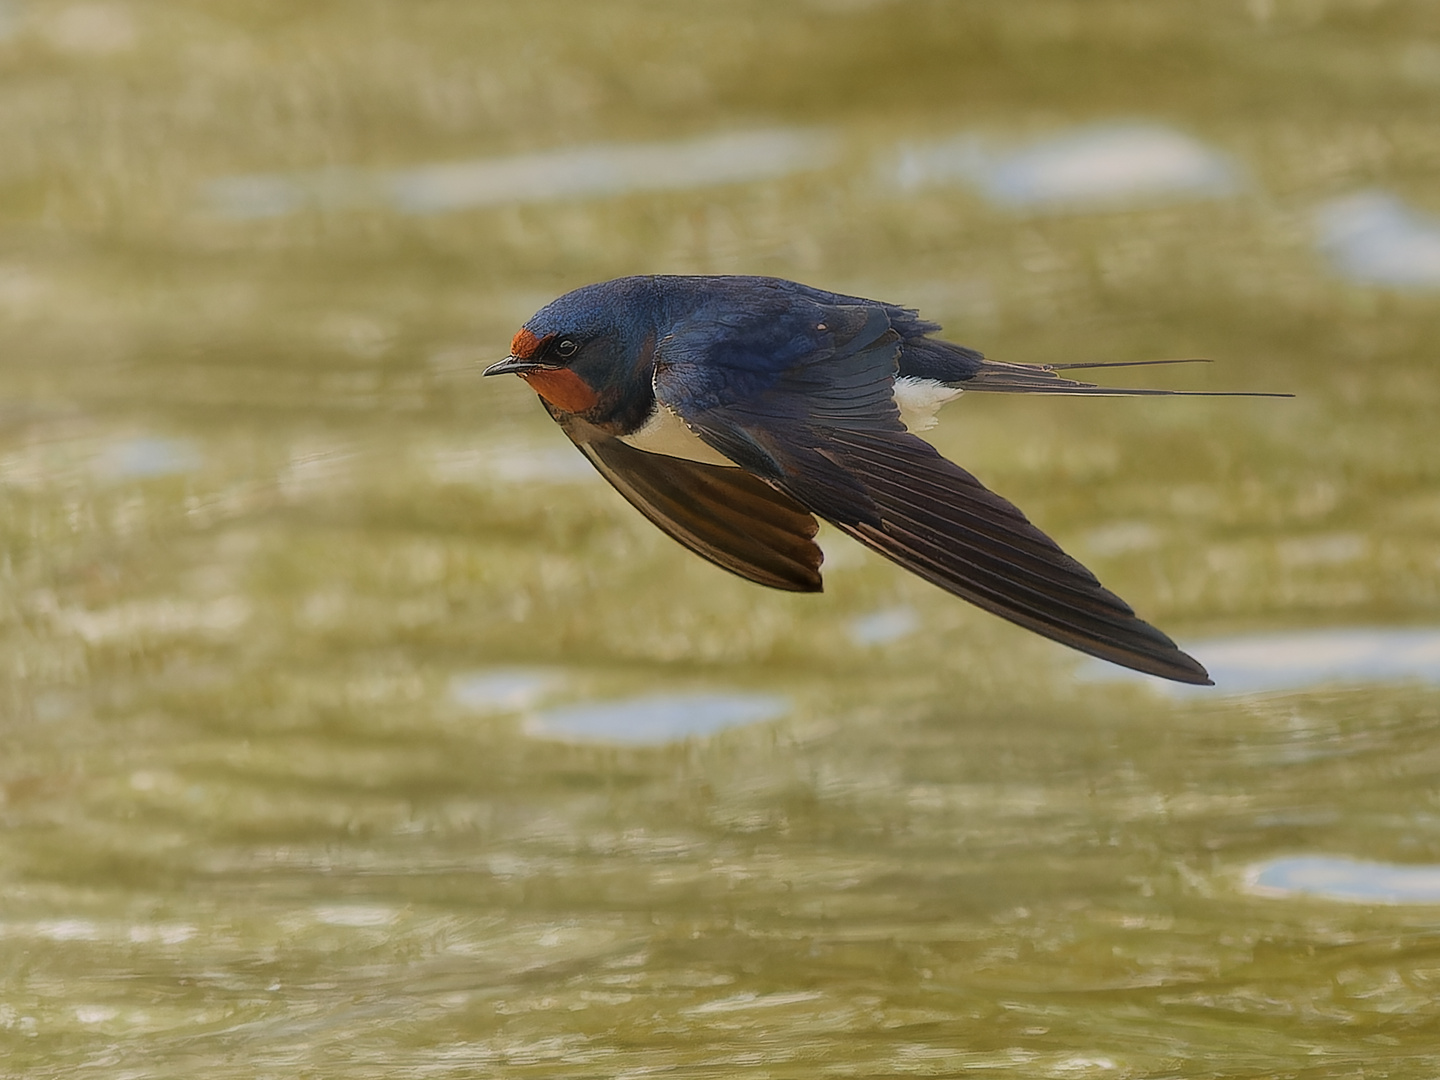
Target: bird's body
[{"x": 732, "y": 411}]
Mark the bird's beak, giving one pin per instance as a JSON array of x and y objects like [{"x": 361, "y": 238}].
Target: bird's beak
[{"x": 512, "y": 365}]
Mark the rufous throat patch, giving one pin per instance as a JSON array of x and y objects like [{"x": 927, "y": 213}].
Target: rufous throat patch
[{"x": 562, "y": 388}]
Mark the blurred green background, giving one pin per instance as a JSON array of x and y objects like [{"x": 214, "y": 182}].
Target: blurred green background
[{"x": 313, "y": 643}]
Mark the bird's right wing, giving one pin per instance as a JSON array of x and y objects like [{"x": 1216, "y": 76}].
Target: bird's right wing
[
  {"x": 825, "y": 430},
  {"x": 936, "y": 520},
  {"x": 738, "y": 522}
]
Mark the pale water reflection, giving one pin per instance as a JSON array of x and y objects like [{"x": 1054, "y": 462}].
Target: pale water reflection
[
  {"x": 576, "y": 172},
  {"x": 88, "y": 930},
  {"x": 1351, "y": 880},
  {"x": 149, "y": 456},
  {"x": 1375, "y": 238},
  {"x": 1107, "y": 166},
  {"x": 656, "y": 719},
  {"x": 505, "y": 689},
  {"x": 1300, "y": 661},
  {"x": 884, "y": 626},
  {"x": 518, "y": 461}
]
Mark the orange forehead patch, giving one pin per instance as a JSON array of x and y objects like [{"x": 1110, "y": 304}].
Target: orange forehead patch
[
  {"x": 562, "y": 388},
  {"x": 525, "y": 344}
]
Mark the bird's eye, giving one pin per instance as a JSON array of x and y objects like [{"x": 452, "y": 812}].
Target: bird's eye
[{"x": 566, "y": 348}]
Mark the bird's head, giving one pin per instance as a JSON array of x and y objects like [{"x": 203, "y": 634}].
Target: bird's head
[{"x": 590, "y": 353}]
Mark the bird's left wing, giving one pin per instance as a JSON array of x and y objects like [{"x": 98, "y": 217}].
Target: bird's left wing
[
  {"x": 733, "y": 519},
  {"x": 820, "y": 423}
]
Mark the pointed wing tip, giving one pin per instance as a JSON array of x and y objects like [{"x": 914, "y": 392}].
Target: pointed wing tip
[
  {"x": 1193, "y": 672},
  {"x": 1200, "y": 678},
  {"x": 799, "y": 583},
  {"x": 1177, "y": 667}
]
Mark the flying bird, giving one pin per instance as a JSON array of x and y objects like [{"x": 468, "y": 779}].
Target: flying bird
[{"x": 733, "y": 411}]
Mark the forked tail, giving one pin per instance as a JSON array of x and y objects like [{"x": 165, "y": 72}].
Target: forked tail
[{"x": 995, "y": 376}]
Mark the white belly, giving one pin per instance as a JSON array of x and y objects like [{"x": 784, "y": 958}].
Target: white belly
[
  {"x": 920, "y": 399},
  {"x": 665, "y": 433}
]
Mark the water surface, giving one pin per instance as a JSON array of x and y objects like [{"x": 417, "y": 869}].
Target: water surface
[{"x": 350, "y": 726}]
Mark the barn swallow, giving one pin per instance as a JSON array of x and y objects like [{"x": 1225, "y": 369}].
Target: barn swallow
[{"x": 734, "y": 411}]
